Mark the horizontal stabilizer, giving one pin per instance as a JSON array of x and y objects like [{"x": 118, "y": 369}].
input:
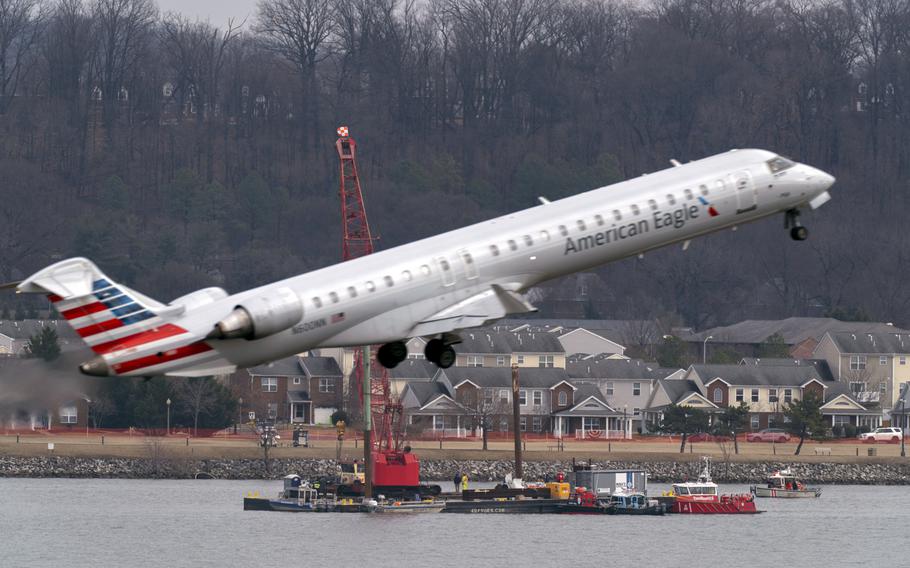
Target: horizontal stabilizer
[{"x": 475, "y": 311}]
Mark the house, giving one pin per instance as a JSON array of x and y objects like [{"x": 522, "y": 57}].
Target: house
[
  {"x": 304, "y": 390},
  {"x": 491, "y": 348},
  {"x": 410, "y": 371},
  {"x": 674, "y": 390},
  {"x": 41, "y": 395},
  {"x": 14, "y": 335},
  {"x": 873, "y": 365}
]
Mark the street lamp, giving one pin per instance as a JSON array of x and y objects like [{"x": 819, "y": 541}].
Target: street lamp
[
  {"x": 168, "y": 431},
  {"x": 239, "y": 413},
  {"x": 625, "y": 420},
  {"x": 704, "y": 350},
  {"x": 903, "y": 420}
]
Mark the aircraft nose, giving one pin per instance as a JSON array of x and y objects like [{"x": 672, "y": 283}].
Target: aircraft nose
[
  {"x": 819, "y": 179},
  {"x": 96, "y": 367}
]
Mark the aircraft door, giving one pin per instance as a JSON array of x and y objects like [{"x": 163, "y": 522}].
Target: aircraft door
[{"x": 746, "y": 192}]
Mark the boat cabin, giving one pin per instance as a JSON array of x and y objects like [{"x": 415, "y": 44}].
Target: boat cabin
[
  {"x": 784, "y": 479},
  {"x": 689, "y": 489},
  {"x": 296, "y": 490}
]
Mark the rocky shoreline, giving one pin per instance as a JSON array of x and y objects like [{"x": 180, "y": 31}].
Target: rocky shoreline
[{"x": 433, "y": 470}]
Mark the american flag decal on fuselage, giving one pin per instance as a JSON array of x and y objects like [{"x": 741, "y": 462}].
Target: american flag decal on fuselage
[{"x": 123, "y": 330}]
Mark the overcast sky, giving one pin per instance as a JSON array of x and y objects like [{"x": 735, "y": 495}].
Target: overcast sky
[{"x": 216, "y": 11}]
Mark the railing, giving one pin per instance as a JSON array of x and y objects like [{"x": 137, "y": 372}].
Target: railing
[{"x": 595, "y": 434}]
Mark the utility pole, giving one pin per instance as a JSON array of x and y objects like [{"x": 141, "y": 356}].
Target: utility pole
[
  {"x": 367, "y": 426},
  {"x": 516, "y": 417}
]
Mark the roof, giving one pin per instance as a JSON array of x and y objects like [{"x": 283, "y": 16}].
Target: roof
[
  {"x": 678, "y": 389},
  {"x": 426, "y": 393},
  {"x": 902, "y": 404},
  {"x": 287, "y": 367},
  {"x": 298, "y": 396},
  {"x": 624, "y": 332},
  {"x": 320, "y": 366},
  {"x": 583, "y": 407},
  {"x": 604, "y": 368},
  {"x": 758, "y": 375},
  {"x": 504, "y": 342},
  {"x": 793, "y": 330},
  {"x": 487, "y": 377},
  {"x": 414, "y": 369},
  {"x": 821, "y": 366},
  {"x": 894, "y": 342}
]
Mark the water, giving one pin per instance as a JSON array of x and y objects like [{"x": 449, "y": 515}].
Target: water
[{"x": 97, "y": 523}]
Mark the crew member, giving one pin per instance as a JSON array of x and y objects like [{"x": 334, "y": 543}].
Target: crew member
[{"x": 464, "y": 482}]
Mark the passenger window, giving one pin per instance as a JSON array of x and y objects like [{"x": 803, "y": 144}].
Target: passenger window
[
  {"x": 425, "y": 268},
  {"x": 370, "y": 286},
  {"x": 334, "y": 297},
  {"x": 635, "y": 210},
  {"x": 317, "y": 302},
  {"x": 703, "y": 189},
  {"x": 513, "y": 245},
  {"x": 494, "y": 250},
  {"x": 688, "y": 193},
  {"x": 617, "y": 215},
  {"x": 352, "y": 292},
  {"x": 581, "y": 225},
  {"x": 563, "y": 231},
  {"x": 528, "y": 241},
  {"x": 388, "y": 281},
  {"x": 671, "y": 200},
  {"x": 445, "y": 264},
  {"x": 406, "y": 275},
  {"x": 600, "y": 220},
  {"x": 652, "y": 204},
  {"x": 544, "y": 236}
]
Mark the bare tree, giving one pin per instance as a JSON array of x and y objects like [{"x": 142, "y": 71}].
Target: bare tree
[
  {"x": 198, "y": 395},
  {"x": 21, "y": 25},
  {"x": 483, "y": 410}
]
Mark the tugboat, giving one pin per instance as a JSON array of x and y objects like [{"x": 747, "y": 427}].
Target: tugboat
[
  {"x": 635, "y": 503},
  {"x": 783, "y": 483},
  {"x": 298, "y": 496},
  {"x": 701, "y": 497}
]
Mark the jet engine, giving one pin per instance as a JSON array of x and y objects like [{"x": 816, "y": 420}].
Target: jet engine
[{"x": 261, "y": 316}]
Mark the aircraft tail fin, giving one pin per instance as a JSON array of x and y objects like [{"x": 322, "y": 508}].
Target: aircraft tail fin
[{"x": 101, "y": 311}]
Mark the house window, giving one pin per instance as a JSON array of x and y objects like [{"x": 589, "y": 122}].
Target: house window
[
  {"x": 636, "y": 411},
  {"x": 439, "y": 422},
  {"x": 563, "y": 398},
  {"x": 523, "y": 398},
  {"x": 503, "y": 395},
  {"x": 296, "y": 380},
  {"x": 273, "y": 410},
  {"x": 883, "y": 388},
  {"x": 857, "y": 387},
  {"x": 857, "y": 362},
  {"x": 788, "y": 396},
  {"x": 592, "y": 423},
  {"x": 754, "y": 395},
  {"x": 500, "y": 360},
  {"x": 326, "y": 384},
  {"x": 538, "y": 398},
  {"x": 882, "y": 360},
  {"x": 520, "y": 359},
  {"x": 903, "y": 360},
  {"x": 523, "y": 423},
  {"x": 772, "y": 395},
  {"x": 753, "y": 421},
  {"x": 269, "y": 384},
  {"x": 609, "y": 389},
  {"x": 636, "y": 389},
  {"x": 718, "y": 395},
  {"x": 475, "y": 360},
  {"x": 488, "y": 397},
  {"x": 740, "y": 396},
  {"x": 536, "y": 423},
  {"x": 68, "y": 414},
  {"x": 545, "y": 361}
]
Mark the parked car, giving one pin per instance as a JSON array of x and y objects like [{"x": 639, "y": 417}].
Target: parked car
[
  {"x": 768, "y": 435},
  {"x": 882, "y": 435}
]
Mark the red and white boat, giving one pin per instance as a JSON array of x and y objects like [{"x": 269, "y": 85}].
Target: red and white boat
[{"x": 701, "y": 497}]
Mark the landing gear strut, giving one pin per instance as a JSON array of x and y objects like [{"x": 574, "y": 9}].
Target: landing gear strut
[
  {"x": 440, "y": 352},
  {"x": 391, "y": 354},
  {"x": 791, "y": 221}
]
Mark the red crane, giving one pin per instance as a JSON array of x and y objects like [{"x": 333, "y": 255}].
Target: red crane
[{"x": 392, "y": 468}]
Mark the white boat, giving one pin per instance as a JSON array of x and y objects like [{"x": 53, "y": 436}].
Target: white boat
[{"x": 784, "y": 484}]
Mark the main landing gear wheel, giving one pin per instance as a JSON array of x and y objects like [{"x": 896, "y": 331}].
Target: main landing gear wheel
[
  {"x": 799, "y": 233},
  {"x": 439, "y": 353},
  {"x": 391, "y": 354}
]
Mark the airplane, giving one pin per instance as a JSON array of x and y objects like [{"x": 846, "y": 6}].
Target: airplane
[{"x": 432, "y": 288}]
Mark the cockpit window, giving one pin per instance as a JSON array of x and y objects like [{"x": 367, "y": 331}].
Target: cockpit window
[{"x": 779, "y": 164}]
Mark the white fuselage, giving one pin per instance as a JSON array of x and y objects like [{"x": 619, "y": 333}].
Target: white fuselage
[{"x": 382, "y": 297}]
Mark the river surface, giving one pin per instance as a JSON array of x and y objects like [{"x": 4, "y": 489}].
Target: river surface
[{"x": 94, "y": 523}]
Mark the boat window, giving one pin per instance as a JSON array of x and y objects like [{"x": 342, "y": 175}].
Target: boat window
[
  {"x": 513, "y": 245},
  {"x": 370, "y": 286},
  {"x": 388, "y": 281},
  {"x": 352, "y": 292},
  {"x": 563, "y": 231},
  {"x": 652, "y": 204},
  {"x": 600, "y": 220},
  {"x": 544, "y": 236},
  {"x": 688, "y": 193},
  {"x": 494, "y": 250},
  {"x": 779, "y": 164},
  {"x": 617, "y": 215},
  {"x": 635, "y": 210},
  {"x": 406, "y": 275},
  {"x": 317, "y": 302},
  {"x": 334, "y": 297},
  {"x": 671, "y": 200},
  {"x": 581, "y": 225}
]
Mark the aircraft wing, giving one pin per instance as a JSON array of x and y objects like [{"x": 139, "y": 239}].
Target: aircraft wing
[{"x": 474, "y": 311}]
